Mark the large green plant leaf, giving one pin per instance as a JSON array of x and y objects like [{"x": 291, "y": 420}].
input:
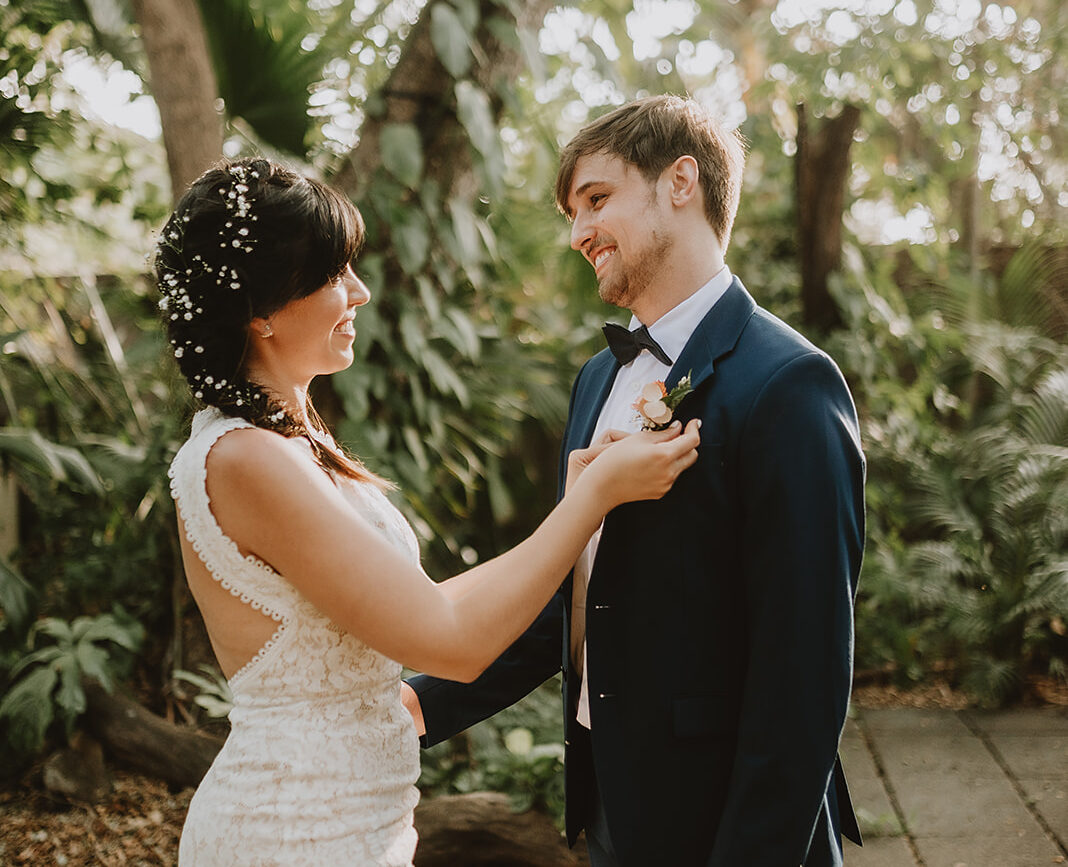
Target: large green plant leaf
[
  {"x": 29, "y": 709},
  {"x": 60, "y": 463},
  {"x": 402, "y": 153},
  {"x": 451, "y": 40},
  {"x": 264, "y": 71},
  {"x": 16, "y": 596}
]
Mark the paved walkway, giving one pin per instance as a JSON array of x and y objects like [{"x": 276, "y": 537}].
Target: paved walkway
[{"x": 937, "y": 788}]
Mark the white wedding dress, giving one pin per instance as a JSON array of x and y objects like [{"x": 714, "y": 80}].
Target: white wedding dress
[{"x": 322, "y": 758}]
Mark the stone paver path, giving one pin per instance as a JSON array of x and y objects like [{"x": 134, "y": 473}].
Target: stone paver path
[{"x": 936, "y": 788}]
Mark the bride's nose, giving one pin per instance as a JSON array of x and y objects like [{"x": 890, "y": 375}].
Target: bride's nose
[{"x": 359, "y": 294}]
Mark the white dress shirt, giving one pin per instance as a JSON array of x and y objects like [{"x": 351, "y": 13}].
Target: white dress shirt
[{"x": 671, "y": 331}]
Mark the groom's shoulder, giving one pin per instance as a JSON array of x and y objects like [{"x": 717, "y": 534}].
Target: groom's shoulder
[
  {"x": 776, "y": 339},
  {"x": 595, "y": 366}
]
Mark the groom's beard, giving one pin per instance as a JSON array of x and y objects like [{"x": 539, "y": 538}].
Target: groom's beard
[{"x": 624, "y": 284}]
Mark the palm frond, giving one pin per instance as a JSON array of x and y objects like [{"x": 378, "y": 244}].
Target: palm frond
[{"x": 264, "y": 72}]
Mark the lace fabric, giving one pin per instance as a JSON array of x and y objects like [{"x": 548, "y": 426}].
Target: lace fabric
[{"x": 322, "y": 758}]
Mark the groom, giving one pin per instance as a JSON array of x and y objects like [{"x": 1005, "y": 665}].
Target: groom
[{"x": 706, "y": 638}]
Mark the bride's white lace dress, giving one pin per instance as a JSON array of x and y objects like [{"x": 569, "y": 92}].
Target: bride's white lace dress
[{"x": 322, "y": 758}]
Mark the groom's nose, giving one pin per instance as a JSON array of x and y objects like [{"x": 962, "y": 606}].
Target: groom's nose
[{"x": 581, "y": 232}]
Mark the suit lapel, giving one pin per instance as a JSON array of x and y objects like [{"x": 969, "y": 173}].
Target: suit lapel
[
  {"x": 596, "y": 384},
  {"x": 715, "y": 335}
]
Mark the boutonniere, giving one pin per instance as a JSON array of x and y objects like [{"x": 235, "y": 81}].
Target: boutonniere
[{"x": 656, "y": 405}]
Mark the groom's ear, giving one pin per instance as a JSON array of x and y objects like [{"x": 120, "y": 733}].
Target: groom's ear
[{"x": 683, "y": 180}]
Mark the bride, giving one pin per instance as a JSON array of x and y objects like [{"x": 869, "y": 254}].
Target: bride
[{"x": 308, "y": 579}]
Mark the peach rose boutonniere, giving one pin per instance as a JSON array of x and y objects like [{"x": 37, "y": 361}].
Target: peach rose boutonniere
[{"x": 656, "y": 405}]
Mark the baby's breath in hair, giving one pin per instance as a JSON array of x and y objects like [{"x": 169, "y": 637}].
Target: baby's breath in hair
[{"x": 247, "y": 238}]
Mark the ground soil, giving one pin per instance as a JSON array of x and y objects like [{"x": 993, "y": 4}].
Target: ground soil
[{"x": 139, "y": 824}]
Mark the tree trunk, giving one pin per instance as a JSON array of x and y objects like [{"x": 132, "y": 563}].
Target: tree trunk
[
  {"x": 821, "y": 171},
  {"x": 183, "y": 85},
  {"x": 421, "y": 92},
  {"x": 142, "y": 741},
  {"x": 482, "y": 830}
]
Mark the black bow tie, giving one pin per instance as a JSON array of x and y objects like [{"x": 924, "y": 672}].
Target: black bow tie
[{"x": 626, "y": 345}]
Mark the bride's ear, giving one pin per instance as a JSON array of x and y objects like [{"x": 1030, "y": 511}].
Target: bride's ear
[{"x": 260, "y": 327}]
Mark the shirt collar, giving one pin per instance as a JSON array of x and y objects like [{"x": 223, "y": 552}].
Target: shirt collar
[{"x": 673, "y": 330}]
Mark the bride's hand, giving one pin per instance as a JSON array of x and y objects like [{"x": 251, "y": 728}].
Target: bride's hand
[
  {"x": 579, "y": 459},
  {"x": 641, "y": 466}
]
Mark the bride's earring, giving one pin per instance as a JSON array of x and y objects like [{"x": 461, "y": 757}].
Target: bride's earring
[{"x": 267, "y": 331}]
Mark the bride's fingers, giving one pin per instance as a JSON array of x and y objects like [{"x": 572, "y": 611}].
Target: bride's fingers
[
  {"x": 611, "y": 436},
  {"x": 687, "y": 440}
]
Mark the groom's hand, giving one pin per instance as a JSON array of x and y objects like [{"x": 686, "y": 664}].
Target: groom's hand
[{"x": 411, "y": 704}]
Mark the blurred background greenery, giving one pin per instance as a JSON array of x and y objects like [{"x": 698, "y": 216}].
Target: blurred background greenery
[{"x": 904, "y": 206}]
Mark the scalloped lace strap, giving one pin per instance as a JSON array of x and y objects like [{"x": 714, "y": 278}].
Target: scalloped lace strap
[{"x": 246, "y": 577}]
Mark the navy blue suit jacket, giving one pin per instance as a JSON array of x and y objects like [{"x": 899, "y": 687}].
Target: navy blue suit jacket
[{"x": 719, "y": 619}]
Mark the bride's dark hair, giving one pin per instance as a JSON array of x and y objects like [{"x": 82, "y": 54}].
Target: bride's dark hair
[{"x": 248, "y": 237}]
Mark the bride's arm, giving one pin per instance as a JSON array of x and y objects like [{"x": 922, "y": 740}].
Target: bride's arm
[
  {"x": 279, "y": 506},
  {"x": 577, "y": 461}
]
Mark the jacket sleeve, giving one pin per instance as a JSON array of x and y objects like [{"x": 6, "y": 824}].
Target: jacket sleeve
[
  {"x": 450, "y": 707},
  {"x": 801, "y": 490}
]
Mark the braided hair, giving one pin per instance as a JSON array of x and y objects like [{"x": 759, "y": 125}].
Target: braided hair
[{"x": 248, "y": 237}]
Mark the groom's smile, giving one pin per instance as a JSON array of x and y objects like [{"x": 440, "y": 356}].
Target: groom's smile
[{"x": 601, "y": 257}]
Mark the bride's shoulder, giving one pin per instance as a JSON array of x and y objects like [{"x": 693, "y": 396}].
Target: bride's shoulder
[{"x": 254, "y": 450}]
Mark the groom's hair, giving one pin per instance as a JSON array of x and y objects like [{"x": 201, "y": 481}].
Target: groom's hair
[{"x": 651, "y": 134}]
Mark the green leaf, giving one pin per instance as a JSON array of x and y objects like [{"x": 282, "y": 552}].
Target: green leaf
[
  {"x": 446, "y": 379},
  {"x": 501, "y": 501},
  {"x": 45, "y": 654},
  {"x": 412, "y": 333},
  {"x": 469, "y": 14},
  {"x": 215, "y": 707},
  {"x": 415, "y": 446},
  {"x": 402, "y": 153},
  {"x": 70, "y": 697},
  {"x": 428, "y": 296},
  {"x": 465, "y": 229},
  {"x": 94, "y": 663},
  {"x": 61, "y": 463},
  {"x": 29, "y": 709},
  {"x": 463, "y": 337},
  {"x": 107, "y": 628},
  {"x": 450, "y": 39},
  {"x": 473, "y": 109},
  {"x": 411, "y": 238},
  {"x": 264, "y": 72},
  {"x": 58, "y": 629},
  {"x": 16, "y": 596}
]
